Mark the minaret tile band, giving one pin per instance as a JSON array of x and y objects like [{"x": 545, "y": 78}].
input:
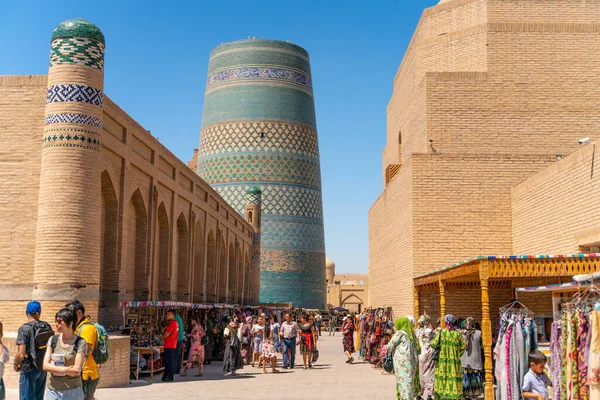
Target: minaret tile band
[{"x": 259, "y": 131}]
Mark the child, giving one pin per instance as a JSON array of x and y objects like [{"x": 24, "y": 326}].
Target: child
[
  {"x": 3, "y": 360},
  {"x": 536, "y": 382}
]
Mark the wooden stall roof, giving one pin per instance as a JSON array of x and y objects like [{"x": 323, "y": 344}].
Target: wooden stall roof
[{"x": 513, "y": 266}]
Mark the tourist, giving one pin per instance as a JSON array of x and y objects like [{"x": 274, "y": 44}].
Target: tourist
[
  {"x": 3, "y": 360},
  {"x": 274, "y": 325},
  {"x": 180, "y": 343},
  {"x": 196, "y": 353},
  {"x": 232, "y": 358},
  {"x": 332, "y": 324},
  {"x": 425, "y": 335},
  {"x": 308, "y": 340},
  {"x": 448, "y": 373},
  {"x": 268, "y": 348},
  {"x": 211, "y": 333},
  {"x": 64, "y": 359},
  {"x": 348, "y": 337},
  {"x": 405, "y": 349},
  {"x": 536, "y": 382},
  {"x": 86, "y": 330},
  {"x": 245, "y": 333},
  {"x": 289, "y": 332},
  {"x": 29, "y": 361},
  {"x": 471, "y": 361},
  {"x": 257, "y": 334},
  {"x": 170, "y": 338},
  {"x": 318, "y": 320}
]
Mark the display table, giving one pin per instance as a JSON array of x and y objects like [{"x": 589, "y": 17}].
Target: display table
[{"x": 143, "y": 351}]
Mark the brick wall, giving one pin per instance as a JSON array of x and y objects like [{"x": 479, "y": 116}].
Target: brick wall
[{"x": 556, "y": 211}]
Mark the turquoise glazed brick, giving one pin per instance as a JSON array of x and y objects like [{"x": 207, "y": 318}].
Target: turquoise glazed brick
[
  {"x": 259, "y": 130},
  {"x": 78, "y": 27}
]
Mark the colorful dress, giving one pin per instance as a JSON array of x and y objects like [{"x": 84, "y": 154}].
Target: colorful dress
[
  {"x": 348, "y": 339},
  {"x": 268, "y": 349},
  {"x": 448, "y": 371},
  {"x": 426, "y": 361},
  {"x": 306, "y": 339},
  {"x": 196, "y": 355},
  {"x": 406, "y": 366}
]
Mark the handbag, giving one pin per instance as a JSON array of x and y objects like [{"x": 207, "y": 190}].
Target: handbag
[
  {"x": 205, "y": 340},
  {"x": 388, "y": 363},
  {"x": 315, "y": 355}
]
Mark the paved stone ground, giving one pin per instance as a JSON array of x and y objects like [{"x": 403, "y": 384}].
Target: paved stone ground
[{"x": 329, "y": 378}]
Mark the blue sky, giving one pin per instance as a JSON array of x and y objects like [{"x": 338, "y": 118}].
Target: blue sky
[{"x": 157, "y": 59}]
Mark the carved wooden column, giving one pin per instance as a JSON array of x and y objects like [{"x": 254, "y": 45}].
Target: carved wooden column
[
  {"x": 486, "y": 329},
  {"x": 417, "y": 309},
  {"x": 442, "y": 303}
]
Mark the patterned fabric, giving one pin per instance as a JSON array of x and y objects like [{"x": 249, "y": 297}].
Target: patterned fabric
[
  {"x": 582, "y": 367},
  {"x": 196, "y": 355},
  {"x": 306, "y": 339},
  {"x": 473, "y": 380},
  {"x": 268, "y": 349},
  {"x": 406, "y": 365},
  {"x": 448, "y": 371},
  {"x": 426, "y": 360},
  {"x": 573, "y": 356},
  {"x": 507, "y": 359},
  {"x": 593, "y": 377},
  {"x": 556, "y": 358},
  {"x": 348, "y": 339}
]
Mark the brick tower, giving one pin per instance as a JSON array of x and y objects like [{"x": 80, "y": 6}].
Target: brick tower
[
  {"x": 259, "y": 129},
  {"x": 253, "y": 216},
  {"x": 67, "y": 251}
]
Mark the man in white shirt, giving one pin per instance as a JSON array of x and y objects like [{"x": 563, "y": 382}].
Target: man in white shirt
[{"x": 289, "y": 333}]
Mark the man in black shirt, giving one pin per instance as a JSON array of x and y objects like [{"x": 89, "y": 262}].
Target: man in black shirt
[{"x": 32, "y": 381}]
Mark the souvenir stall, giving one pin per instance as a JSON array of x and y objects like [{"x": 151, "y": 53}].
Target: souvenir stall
[
  {"x": 574, "y": 359},
  {"x": 488, "y": 274},
  {"x": 144, "y": 322},
  {"x": 374, "y": 330}
]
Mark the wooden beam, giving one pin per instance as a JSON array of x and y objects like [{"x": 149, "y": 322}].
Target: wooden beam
[
  {"x": 442, "y": 303},
  {"x": 417, "y": 309},
  {"x": 486, "y": 327}
]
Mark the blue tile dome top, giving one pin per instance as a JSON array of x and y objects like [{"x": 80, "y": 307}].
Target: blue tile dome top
[
  {"x": 78, "y": 27},
  {"x": 254, "y": 190}
]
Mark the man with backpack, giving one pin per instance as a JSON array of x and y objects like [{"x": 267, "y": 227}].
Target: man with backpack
[
  {"x": 96, "y": 338},
  {"x": 32, "y": 340}
]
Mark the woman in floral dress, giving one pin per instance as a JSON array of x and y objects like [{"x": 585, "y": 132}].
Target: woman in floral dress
[
  {"x": 268, "y": 349},
  {"x": 196, "y": 354},
  {"x": 404, "y": 348},
  {"x": 425, "y": 334},
  {"x": 348, "y": 340},
  {"x": 448, "y": 371}
]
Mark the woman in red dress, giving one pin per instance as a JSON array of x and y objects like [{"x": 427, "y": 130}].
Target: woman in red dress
[
  {"x": 307, "y": 341},
  {"x": 348, "y": 340}
]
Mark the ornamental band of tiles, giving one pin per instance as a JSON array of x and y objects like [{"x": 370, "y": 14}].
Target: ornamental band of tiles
[
  {"x": 259, "y": 130},
  {"x": 69, "y": 217}
]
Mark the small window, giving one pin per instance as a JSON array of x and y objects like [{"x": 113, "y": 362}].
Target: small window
[{"x": 250, "y": 216}]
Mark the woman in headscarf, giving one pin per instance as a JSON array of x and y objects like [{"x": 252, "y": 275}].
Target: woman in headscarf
[
  {"x": 472, "y": 365},
  {"x": 425, "y": 335},
  {"x": 405, "y": 349},
  {"x": 232, "y": 359},
  {"x": 448, "y": 372},
  {"x": 246, "y": 340}
]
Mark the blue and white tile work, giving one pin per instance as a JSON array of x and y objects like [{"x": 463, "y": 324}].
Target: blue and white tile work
[
  {"x": 75, "y": 93},
  {"x": 259, "y": 130}
]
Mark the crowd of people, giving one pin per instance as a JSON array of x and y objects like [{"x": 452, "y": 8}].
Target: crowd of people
[
  {"x": 445, "y": 362},
  {"x": 69, "y": 355}
]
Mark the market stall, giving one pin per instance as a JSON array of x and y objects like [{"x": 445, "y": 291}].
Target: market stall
[
  {"x": 374, "y": 330},
  {"x": 487, "y": 273}
]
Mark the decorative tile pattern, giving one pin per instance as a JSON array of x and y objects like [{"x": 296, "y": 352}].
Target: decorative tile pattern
[
  {"x": 253, "y": 198},
  {"x": 260, "y": 73},
  {"x": 255, "y": 238},
  {"x": 78, "y": 27},
  {"x": 75, "y": 93},
  {"x": 260, "y": 168},
  {"x": 68, "y": 137},
  {"x": 73, "y": 119},
  {"x": 259, "y": 136},
  {"x": 277, "y": 199},
  {"x": 79, "y": 51},
  {"x": 289, "y": 233}
]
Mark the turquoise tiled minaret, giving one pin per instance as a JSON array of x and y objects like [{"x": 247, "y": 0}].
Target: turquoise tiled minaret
[{"x": 259, "y": 130}]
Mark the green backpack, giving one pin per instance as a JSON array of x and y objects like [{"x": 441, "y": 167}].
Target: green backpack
[{"x": 101, "y": 352}]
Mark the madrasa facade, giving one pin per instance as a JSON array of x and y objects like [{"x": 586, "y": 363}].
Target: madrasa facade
[
  {"x": 482, "y": 153},
  {"x": 259, "y": 130},
  {"x": 93, "y": 207}
]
